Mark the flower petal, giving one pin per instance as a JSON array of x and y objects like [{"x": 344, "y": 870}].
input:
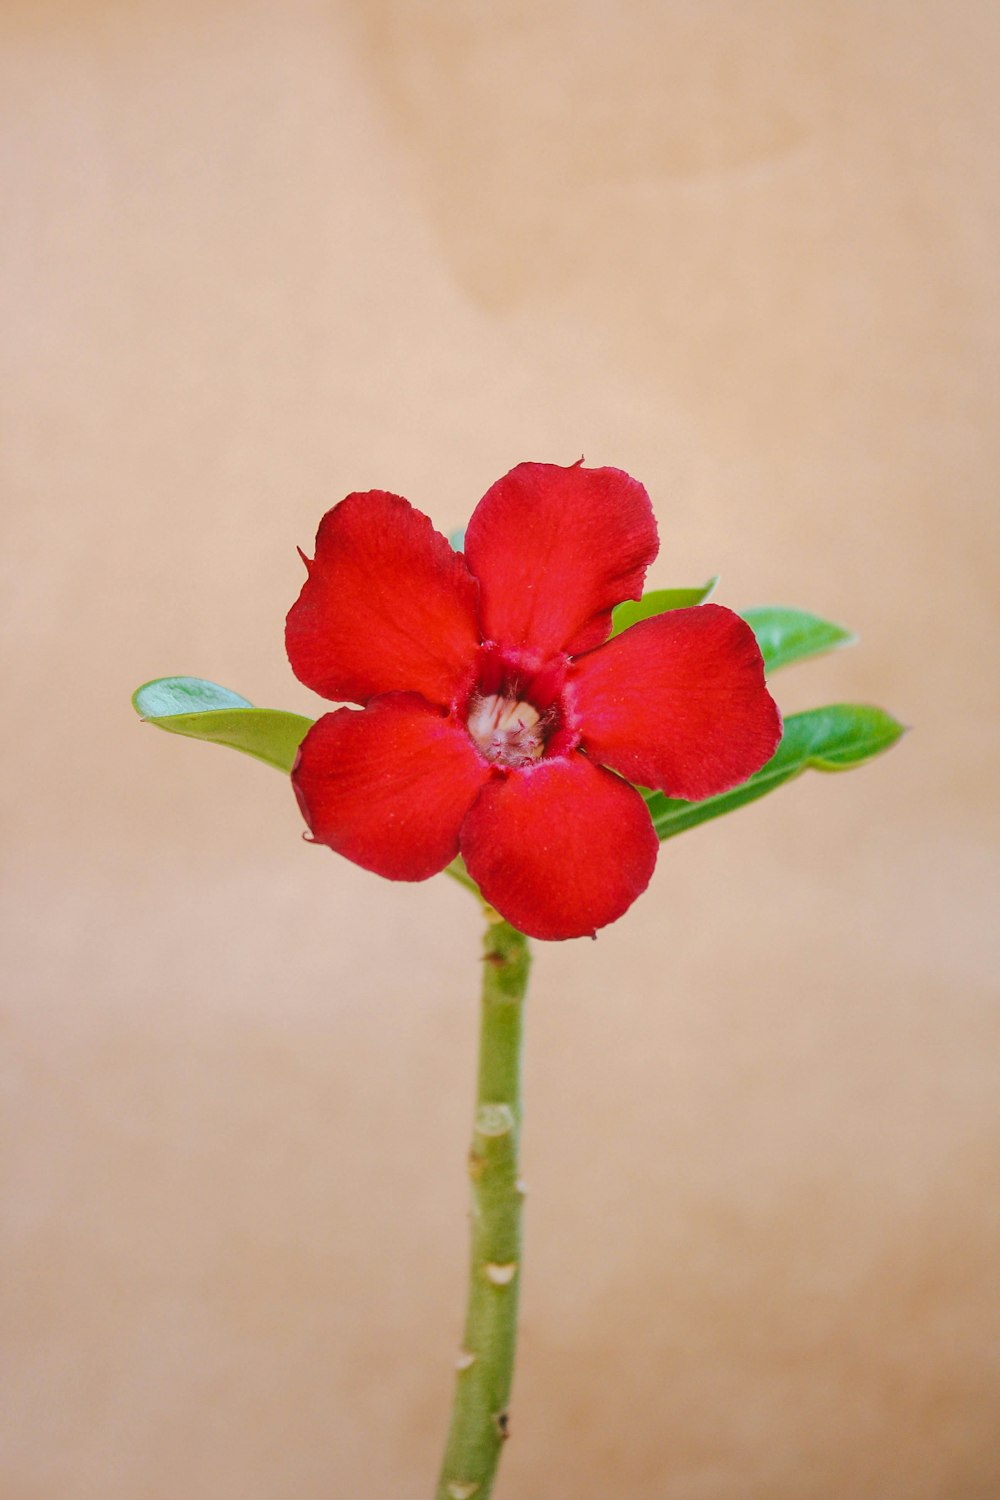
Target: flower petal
[
  {"x": 678, "y": 702},
  {"x": 560, "y": 848},
  {"x": 555, "y": 550},
  {"x": 388, "y": 786},
  {"x": 388, "y": 606}
]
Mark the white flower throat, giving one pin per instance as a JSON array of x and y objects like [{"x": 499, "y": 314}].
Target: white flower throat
[{"x": 507, "y": 730}]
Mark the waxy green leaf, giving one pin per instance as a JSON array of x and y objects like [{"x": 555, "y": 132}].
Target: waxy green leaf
[
  {"x": 833, "y": 738},
  {"x": 183, "y": 695},
  {"x": 657, "y": 602},
  {"x": 787, "y": 635},
  {"x": 204, "y": 711}
]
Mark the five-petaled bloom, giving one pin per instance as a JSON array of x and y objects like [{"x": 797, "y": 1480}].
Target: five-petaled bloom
[{"x": 497, "y": 718}]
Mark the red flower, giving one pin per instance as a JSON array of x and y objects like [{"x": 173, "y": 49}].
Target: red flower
[{"x": 496, "y": 713}]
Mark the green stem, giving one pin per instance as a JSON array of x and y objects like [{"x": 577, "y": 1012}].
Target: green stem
[
  {"x": 458, "y": 872},
  {"x": 485, "y": 1365}
]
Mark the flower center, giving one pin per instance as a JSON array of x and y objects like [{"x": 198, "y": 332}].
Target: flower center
[{"x": 507, "y": 730}]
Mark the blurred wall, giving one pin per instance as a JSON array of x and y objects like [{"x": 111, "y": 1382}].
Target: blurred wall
[{"x": 255, "y": 256}]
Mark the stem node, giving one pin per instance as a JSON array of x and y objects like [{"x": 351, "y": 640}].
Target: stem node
[{"x": 501, "y": 1275}]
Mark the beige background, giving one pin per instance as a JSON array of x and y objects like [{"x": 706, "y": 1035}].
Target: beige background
[{"x": 257, "y": 255}]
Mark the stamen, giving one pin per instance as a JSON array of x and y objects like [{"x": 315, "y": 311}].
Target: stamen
[{"x": 507, "y": 730}]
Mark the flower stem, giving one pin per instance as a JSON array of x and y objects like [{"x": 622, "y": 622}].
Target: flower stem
[{"x": 485, "y": 1365}]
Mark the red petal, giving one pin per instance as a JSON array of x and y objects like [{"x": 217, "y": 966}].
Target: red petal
[
  {"x": 678, "y": 702},
  {"x": 388, "y": 606},
  {"x": 389, "y": 785},
  {"x": 560, "y": 849},
  {"x": 555, "y": 550}
]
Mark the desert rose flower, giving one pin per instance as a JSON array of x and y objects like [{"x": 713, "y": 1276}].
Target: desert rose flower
[{"x": 496, "y": 718}]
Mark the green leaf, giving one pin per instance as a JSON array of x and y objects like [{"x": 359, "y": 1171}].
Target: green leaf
[
  {"x": 183, "y": 695},
  {"x": 457, "y": 539},
  {"x": 833, "y": 738},
  {"x": 204, "y": 711},
  {"x": 787, "y": 635},
  {"x": 657, "y": 602}
]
